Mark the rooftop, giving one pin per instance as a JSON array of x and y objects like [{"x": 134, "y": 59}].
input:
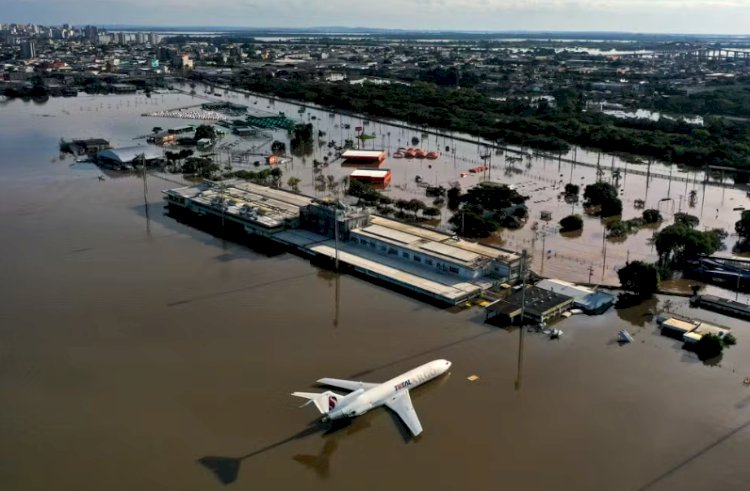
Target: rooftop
[
  {"x": 349, "y": 154},
  {"x": 370, "y": 173},
  {"x": 450, "y": 240},
  {"x": 128, "y": 154},
  {"x": 537, "y": 301},
  {"x": 260, "y": 204}
]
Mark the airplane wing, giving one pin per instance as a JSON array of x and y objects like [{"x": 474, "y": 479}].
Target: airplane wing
[
  {"x": 401, "y": 405},
  {"x": 346, "y": 384}
]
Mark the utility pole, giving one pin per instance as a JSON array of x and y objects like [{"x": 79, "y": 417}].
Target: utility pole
[
  {"x": 604, "y": 254},
  {"x": 142, "y": 158},
  {"x": 336, "y": 232},
  {"x": 519, "y": 371}
]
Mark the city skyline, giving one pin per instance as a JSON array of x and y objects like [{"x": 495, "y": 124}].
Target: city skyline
[{"x": 657, "y": 16}]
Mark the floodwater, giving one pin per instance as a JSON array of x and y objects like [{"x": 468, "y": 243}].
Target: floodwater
[
  {"x": 582, "y": 257},
  {"x": 140, "y": 353}
]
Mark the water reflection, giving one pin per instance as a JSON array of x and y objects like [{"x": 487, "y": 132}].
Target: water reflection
[
  {"x": 639, "y": 315},
  {"x": 226, "y": 469},
  {"x": 321, "y": 462}
]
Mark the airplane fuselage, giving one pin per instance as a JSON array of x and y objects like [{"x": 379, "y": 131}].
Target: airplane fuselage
[{"x": 362, "y": 400}]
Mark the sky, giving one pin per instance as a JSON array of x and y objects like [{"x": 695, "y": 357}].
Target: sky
[{"x": 652, "y": 16}]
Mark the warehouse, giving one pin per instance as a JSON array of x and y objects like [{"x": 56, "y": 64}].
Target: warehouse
[{"x": 125, "y": 156}]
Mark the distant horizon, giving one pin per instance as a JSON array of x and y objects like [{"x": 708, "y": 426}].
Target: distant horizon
[
  {"x": 681, "y": 17},
  {"x": 341, "y": 29}
]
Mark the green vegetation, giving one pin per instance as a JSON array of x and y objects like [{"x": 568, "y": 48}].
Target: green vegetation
[
  {"x": 205, "y": 131},
  {"x": 621, "y": 228},
  {"x": 367, "y": 193},
  {"x": 266, "y": 177},
  {"x": 710, "y": 346},
  {"x": 679, "y": 242},
  {"x": 725, "y": 101},
  {"x": 652, "y": 216},
  {"x": 486, "y": 207},
  {"x": 199, "y": 166},
  {"x": 742, "y": 227},
  {"x": 293, "y": 182},
  {"x": 639, "y": 278},
  {"x": 571, "y": 223},
  {"x": 572, "y": 189},
  {"x": 517, "y": 121},
  {"x": 604, "y": 196},
  {"x": 301, "y": 142},
  {"x": 690, "y": 221}
]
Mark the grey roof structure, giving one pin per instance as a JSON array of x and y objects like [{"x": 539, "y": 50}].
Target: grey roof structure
[{"x": 126, "y": 155}]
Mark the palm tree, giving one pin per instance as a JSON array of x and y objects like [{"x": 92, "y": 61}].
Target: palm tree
[{"x": 616, "y": 176}]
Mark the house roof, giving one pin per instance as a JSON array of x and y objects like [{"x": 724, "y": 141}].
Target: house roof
[{"x": 125, "y": 155}]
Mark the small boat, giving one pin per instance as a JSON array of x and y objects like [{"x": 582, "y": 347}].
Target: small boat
[
  {"x": 419, "y": 153},
  {"x": 432, "y": 155},
  {"x": 555, "y": 334},
  {"x": 624, "y": 336},
  {"x": 397, "y": 155},
  {"x": 410, "y": 153}
]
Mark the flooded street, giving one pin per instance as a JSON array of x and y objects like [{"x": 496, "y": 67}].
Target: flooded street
[
  {"x": 133, "y": 346},
  {"x": 580, "y": 257}
]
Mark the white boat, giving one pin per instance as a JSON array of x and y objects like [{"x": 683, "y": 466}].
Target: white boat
[
  {"x": 555, "y": 334},
  {"x": 624, "y": 336}
]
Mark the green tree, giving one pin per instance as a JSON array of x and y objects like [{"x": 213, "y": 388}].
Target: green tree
[
  {"x": 454, "y": 198},
  {"x": 709, "y": 346},
  {"x": 572, "y": 189},
  {"x": 597, "y": 193},
  {"x": 652, "y": 216},
  {"x": 415, "y": 206},
  {"x": 640, "y": 278},
  {"x": 742, "y": 226},
  {"x": 571, "y": 223},
  {"x": 205, "y": 131},
  {"x": 678, "y": 242},
  {"x": 293, "y": 182},
  {"x": 611, "y": 207},
  {"x": 470, "y": 223},
  {"x": 686, "y": 219}
]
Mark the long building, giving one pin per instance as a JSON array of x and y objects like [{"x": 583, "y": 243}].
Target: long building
[
  {"x": 417, "y": 259},
  {"x": 260, "y": 210}
]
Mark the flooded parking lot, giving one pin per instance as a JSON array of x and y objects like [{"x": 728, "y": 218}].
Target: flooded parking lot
[{"x": 132, "y": 346}]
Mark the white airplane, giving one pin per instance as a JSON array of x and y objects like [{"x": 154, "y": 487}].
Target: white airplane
[{"x": 394, "y": 394}]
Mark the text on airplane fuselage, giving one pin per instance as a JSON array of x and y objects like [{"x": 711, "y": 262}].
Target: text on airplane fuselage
[{"x": 403, "y": 385}]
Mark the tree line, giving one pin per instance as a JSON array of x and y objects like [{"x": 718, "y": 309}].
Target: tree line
[{"x": 519, "y": 121}]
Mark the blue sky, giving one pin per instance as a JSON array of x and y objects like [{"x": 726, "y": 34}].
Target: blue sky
[{"x": 684, "y": 16}]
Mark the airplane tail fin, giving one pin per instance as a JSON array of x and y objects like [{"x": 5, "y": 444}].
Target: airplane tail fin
[{"x": 325, "y": 402}]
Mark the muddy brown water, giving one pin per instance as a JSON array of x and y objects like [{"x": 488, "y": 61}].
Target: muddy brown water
[{"x": 133, "y": 348}]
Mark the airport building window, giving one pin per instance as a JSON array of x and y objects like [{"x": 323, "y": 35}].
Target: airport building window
[
  {"x": 405, "y": 254},
  {"x": 428, "y": 262},
  {"x": 418, "y": 259},
  {"x": 453, "y": 269}
]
